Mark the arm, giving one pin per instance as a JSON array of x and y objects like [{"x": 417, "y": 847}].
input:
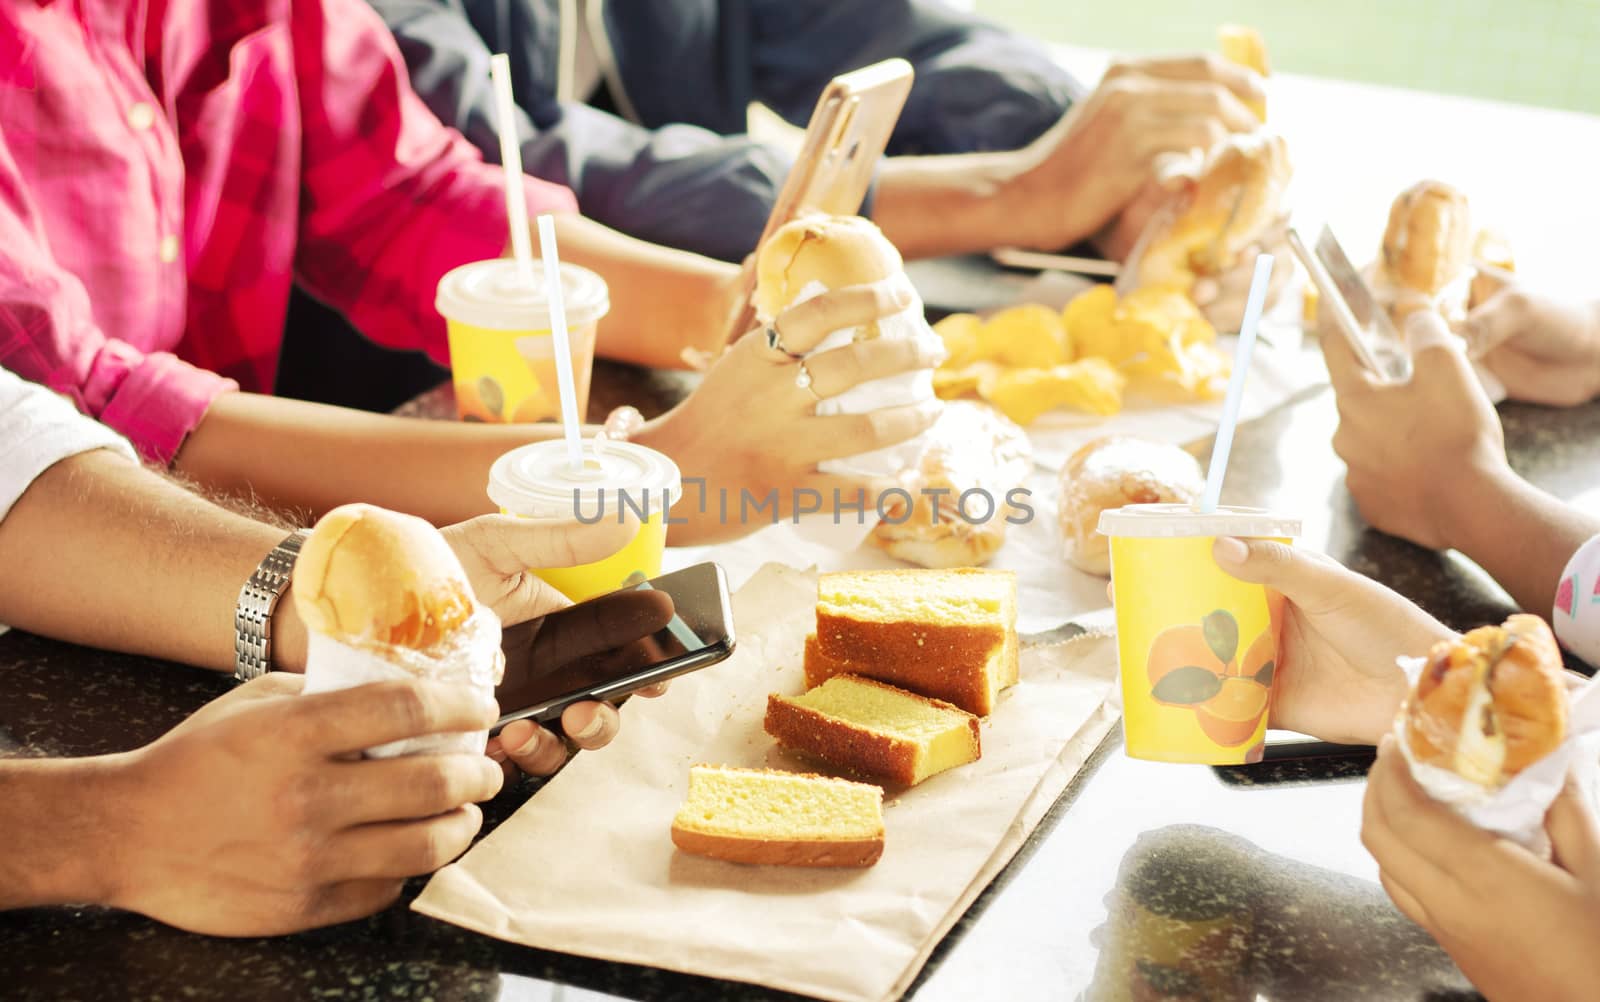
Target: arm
[
  {"x": 394, "y": 200},
  {"x": 679, "y": 185},
  {"x": 1522, "y": 536},
  {"x": 48, "y": 335},
  {"x": 56, "y": 820},
  {"x": 1426, "y": 461},
  {"x": 159, "y": 566},
  {"x": 978, "y": 86}
]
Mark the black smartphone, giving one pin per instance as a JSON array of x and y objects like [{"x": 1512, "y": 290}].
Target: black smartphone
[{"x": 607, "y": 647}]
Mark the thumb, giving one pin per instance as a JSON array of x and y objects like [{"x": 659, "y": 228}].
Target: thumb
[
  {"x": 1495, "y": 321},
  {"x": 1575, "y": 832},
  {"x": 1437, "y": 353},
  {"x": 529, "y": 543},
  {"x": 1300, "y": 576}
]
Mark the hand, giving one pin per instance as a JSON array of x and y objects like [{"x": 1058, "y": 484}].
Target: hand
[
  {"x": 1336, "y": 676},
  {"x": 1222, "y": 297},
  {"x": 497, "y": 552},
  {"x": 621, "y": 627},
  {"x": 753, "y": 435},
  {"x": 1545, "y": 350},
  {"x": 1093, "y": 163},
  {"x": 1519, "y": 927},
  {"x": 256, "y": 816},
  {"x": 1417, "y": 452}
]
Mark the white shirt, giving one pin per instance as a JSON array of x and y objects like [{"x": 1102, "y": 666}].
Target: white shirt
[{"x": 39, "y": 429}]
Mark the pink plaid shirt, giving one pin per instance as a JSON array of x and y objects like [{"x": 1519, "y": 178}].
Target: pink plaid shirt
[{"x": 169, "y": 167}]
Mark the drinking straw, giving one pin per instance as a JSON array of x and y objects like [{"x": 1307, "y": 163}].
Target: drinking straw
[
  {"x": 558, "y": 334},
  {"x": 511, "y": 160},
  {"x": 1241, "y": 371}
]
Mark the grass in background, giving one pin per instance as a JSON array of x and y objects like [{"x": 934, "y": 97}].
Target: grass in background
[{"x": 1541, "y": 52}]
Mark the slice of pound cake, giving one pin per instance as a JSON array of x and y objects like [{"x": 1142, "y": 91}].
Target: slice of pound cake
[
  {"x": 875, "y": 730},
  {"x": 948, "y": 634},
  {"x": 787, "y": 818}
]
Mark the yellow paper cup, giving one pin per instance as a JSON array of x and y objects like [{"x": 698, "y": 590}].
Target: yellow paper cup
[
  {"x": 1197, "y": 648},
  {"x": 502, "y": 356},
  {"x": 620, "y": 480}
]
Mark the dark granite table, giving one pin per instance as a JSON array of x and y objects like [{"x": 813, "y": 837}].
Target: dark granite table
[{"x": 1255, "y": 874}]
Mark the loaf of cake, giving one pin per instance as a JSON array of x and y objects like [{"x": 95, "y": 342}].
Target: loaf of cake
[
  {"x": 948, "y": 634},
  {"x": 787, "y": 818},
  {"x": 874, "y": 730}
]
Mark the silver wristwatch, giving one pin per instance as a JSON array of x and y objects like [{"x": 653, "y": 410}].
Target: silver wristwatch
[{"x": 252, "y": 618}]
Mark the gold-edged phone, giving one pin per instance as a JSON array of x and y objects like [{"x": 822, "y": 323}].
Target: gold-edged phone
[{"x": 848, "y": 132}]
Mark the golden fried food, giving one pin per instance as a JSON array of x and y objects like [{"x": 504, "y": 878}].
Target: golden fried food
[
  {"x": 1092, "y": 385},
  {"x": 1245, "y": 47},
  {"x": 1026, "y": 337},
  {"x": 960, "y": 333}
]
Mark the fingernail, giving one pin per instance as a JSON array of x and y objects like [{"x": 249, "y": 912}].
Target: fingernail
[
  {"x": 903, "y": 294},
  {"x": 498, "y": 753},
  {"x": 532, "y": 744},
  {"x": 1228, "y": 550},
  {"x": 593, "y": 728}
]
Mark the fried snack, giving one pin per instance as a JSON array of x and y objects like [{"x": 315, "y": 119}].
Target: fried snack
[
  {"x": 833, "y": 251},
  {"x": 1429, "y": 238},
  {"x": 1109, "y": 473},
  {"x": 1489, "y": 704},
  {"x": 1245, "y": 47},
  {"x": 960, "y": 333},
  {"x": 1030, "y": 336},
  {"x": 1092, "y": 385},
  {"x": 970, "y": 448},
  {"x": 1236, "y": 196}
]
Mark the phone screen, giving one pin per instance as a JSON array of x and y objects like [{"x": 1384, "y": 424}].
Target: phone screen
[{"x": 606, "y": 647}]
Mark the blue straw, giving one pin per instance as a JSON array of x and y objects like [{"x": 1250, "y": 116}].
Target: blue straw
[{"x": 1241, "y": 371}]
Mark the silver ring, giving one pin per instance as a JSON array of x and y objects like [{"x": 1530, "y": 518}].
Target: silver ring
[{"x": 776, "y": 343}]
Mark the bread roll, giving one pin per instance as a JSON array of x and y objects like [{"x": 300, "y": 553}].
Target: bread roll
[
  {"x": 372, "y": 578},
  {"x": 1109, "y": 473},
  {"x": 1490, "y": 703},
  {"x": 1428, "y": 241},
  {"x": 972, "y": 447},
  {"x": 1235, "y": 198},
  {"x": 834, "y": 251}
]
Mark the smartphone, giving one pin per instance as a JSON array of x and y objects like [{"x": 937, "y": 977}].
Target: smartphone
[
  {"x": 1357, "y": 317},
  {"x": 615, "y": 644},
  {"x": 848, "y": 132}
]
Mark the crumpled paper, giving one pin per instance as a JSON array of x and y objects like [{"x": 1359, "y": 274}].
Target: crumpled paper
[
  {"x": 846, "y": 531},
  {"x": 1517, "y": 809},
  {"x": 587, "y": 865},
  {"x": 472, "y": 657}
]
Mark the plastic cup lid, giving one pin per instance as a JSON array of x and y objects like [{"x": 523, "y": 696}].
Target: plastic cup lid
[
  {"x": 1170, "y": 521},
  {"x": 538, "y": 481},
  {"x": 491, "y": 294}
]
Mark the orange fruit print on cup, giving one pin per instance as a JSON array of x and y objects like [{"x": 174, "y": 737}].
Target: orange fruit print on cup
[{"x": 1200, "y": 667}]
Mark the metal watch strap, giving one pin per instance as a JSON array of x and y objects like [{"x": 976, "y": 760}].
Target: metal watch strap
[{"x": 252, "y": 618}]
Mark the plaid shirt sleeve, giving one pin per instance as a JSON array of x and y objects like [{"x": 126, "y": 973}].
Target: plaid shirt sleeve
[
  {"x": 48, "y": 335},
  {"x": 392, "y": 198}
]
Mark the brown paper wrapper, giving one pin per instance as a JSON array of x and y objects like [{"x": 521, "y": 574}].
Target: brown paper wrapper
[{"x": 587, "y": 866}]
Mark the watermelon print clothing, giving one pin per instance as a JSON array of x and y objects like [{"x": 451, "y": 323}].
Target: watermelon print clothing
[{"x": 1576, "y": 616}]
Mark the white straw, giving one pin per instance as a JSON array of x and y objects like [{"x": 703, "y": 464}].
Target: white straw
[
  {"x": 558, "y": 334},
  {"x": 1241, "y": 371},
  {"x": 511, "y": 160}
]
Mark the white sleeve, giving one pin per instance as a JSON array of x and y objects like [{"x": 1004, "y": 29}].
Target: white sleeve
[
  {"x": 39, "y": 429},
  {"x": 1577, "y": 612}
]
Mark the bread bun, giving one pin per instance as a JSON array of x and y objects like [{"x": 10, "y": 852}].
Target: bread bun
[
  {"x": 1428, "y": 241},
  {"x": 1490, "y": 703},
  {"x": 1236, "y": 196},
  {"x": 369, "y": 577},
  {"x": 832, "y": 250},
  {"x": 1111, "y": 472},
  {"x": 971, "y": 447}
]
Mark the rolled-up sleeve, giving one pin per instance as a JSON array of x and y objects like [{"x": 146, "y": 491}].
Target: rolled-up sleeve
[
  {"x": 393, "y": 198},
  {"x": 39, "y": 429},
  {"x": 48, "y": 335}
]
